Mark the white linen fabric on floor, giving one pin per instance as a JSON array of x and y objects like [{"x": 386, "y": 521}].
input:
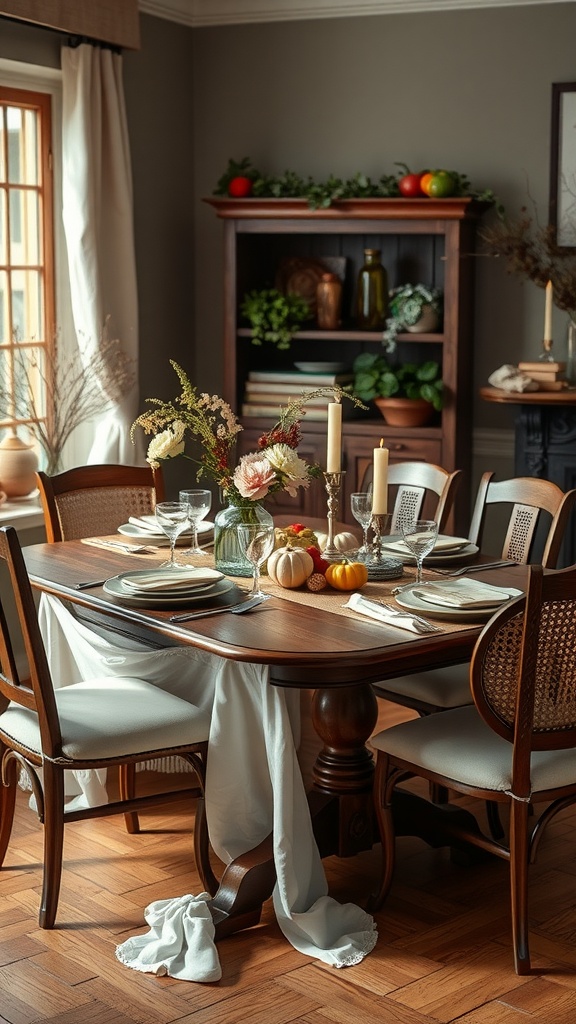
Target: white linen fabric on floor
[{"x": 254, "y": 786}]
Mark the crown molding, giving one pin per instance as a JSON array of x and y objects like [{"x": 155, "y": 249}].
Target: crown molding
[{"x": 198, "y": 13}]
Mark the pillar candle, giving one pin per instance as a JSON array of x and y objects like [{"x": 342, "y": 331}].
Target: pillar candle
[
  {"x": 548, "y": 313},
  {"x": 380, "y": 481},
  {"x": 334, "y": 448}
]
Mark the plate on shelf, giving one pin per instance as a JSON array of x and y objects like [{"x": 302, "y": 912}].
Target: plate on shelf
[{"x": 322, "y": 367}]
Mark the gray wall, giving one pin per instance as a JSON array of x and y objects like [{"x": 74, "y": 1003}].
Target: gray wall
[{"x": 469, "y": 90}]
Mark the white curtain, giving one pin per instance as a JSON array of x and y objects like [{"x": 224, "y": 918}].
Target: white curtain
[{"x": 98, "y": 223}]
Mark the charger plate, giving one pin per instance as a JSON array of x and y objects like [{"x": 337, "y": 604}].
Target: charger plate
[
  {"x": 130, "y": 530},
  {"x": 114, "y": 588}
]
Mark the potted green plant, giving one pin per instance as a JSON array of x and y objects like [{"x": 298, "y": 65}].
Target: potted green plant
[
  {"x": 406, "y": 394},
  {"x": 274, "y": 317},
  {"x": 414, "y": 308}
]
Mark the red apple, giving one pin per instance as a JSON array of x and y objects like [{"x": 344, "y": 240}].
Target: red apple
[{"x": 240, "y": 187}]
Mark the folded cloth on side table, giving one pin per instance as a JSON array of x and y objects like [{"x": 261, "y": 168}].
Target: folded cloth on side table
[
  {"x": 510, "y": 378},
  {"x": 254, "y": 787}
]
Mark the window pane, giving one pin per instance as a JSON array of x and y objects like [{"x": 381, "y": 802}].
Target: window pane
[
  {"x": 24, "y": 227},
  {"x": 26, "y": 292},
  {"x": 2, "y": 144},
  {"x": 3, "y": 239},
  {"x": 23, "y": 166},
  {"x": 4, "y": 322}
]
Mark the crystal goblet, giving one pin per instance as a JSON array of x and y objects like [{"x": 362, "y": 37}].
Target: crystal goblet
[
  {"x": 199, "y": 502},
  {"x": 420, "y": 537},
  {"x": 256, "y": 541},
  {"x": 172, "y": 517}
]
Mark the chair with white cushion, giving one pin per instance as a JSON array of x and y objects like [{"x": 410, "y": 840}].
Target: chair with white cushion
[
  {"x": 97, "y": 723},
  {"x": 514, "y": 747}
]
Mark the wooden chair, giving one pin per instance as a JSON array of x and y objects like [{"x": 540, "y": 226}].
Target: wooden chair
[
  {"x": 515, "y": 746},
  {"x": 418, "y": 489},
  {"x": 98, "y": 723},
  {"x": 434, "y": 690},
  {"x": 96, "y": 500}
]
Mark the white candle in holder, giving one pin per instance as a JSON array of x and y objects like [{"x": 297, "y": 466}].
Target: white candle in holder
[
  {"x": 334, "y": 447},
  {"x": 548, "y": 313},
  {"x": 380, "y": 481}
]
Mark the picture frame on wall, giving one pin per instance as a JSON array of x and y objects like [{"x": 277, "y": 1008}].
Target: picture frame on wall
[{"x": 563, "y": 163}]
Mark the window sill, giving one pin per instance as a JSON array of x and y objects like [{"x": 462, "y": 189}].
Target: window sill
[{"x": 25, "y": 514}]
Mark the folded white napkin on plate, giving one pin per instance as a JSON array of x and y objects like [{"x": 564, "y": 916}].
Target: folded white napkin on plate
[
  {"x": 373, "y": 610},
  {"x": 171, "y": 579},
  {"x": 465, "y": 593},
  {"x": 443, "y": 543},
  {"x": 148, "y": 523}
]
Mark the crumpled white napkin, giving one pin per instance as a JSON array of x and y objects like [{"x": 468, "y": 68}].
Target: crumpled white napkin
[
  {"x": 510, "y": 378},
  {"x": 180, "y": 942},
  {"x": 465, "y": 593},
  {"x": 171, "y": 579},
  {"x": 373, "y": 610}
]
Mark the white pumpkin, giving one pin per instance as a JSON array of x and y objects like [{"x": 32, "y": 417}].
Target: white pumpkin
[
  {"x": 343, "y": 541},
  {"x": 290, "y": 567}
]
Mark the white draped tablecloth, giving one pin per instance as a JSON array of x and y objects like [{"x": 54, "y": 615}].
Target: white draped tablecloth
[{"x": 254, "y": 787}]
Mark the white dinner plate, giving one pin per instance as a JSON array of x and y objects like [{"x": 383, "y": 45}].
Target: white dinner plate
[
  {"x": 321, "y": 367},
  {"x": 444, "y": 544},
  {"x": 114, "y": 587},
  {"x": 129, "y": 530},
  {"x": 446, "y": 556},
  {"x": 408, "y": 599}
]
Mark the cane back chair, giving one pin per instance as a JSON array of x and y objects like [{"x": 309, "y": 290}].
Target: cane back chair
[
  {"x": 96, "y": 500},
  {"x": 514, "y": 746},
  {"x": 418, "y": 489}
]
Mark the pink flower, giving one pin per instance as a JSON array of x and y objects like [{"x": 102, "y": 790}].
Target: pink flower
[{"x": 254, "y": 476}]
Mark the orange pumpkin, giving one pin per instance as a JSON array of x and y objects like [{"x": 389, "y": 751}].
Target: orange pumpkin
[{"x": 347, "y": 575}]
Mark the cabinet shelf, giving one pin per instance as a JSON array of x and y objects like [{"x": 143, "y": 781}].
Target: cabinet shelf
[{"x": 313, "y": 334}]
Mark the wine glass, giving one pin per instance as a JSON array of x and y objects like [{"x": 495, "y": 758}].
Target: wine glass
[
  {"x": 420, "y": 537},
  {"x": 361, "y": 506},
  {"x": 172, "y": 518},
  {"x": 199, "y": 502},
  {"x": 256, "y": 541}
]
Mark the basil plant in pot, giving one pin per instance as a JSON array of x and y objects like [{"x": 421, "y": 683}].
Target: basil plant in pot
[
  {"x": 414, "y": 308},
  {"x": 407, "y": 394}
]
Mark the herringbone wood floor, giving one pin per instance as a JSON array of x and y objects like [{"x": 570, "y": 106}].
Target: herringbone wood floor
[{"x": 443, "y": 952}]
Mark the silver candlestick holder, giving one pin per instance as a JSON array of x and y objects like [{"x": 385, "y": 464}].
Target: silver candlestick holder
[
  {"x": 382, "y": 567},
  {"x": 333, "y": 484}
]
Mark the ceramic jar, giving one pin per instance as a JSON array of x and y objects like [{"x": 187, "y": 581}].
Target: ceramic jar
[{"x": 18, "y": 465}]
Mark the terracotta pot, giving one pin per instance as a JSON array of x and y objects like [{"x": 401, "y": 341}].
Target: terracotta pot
[
  {"x": 18, "y": 465},
  {"x": 428, "y": 322},
  {"x": 405, "y": 412}
]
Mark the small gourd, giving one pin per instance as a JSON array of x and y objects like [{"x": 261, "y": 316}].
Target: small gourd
[
  {"x": 297, "y": 539},
  {"x": 344, "y": 541},
  {"x": 316, "y": 582},
  {"x": 290, "y": 567},
  {"x": 346, "y": 575}
]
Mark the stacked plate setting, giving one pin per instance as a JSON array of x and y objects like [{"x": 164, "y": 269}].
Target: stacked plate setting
[
  {"x": 446, "y": 549},
  {"x": 462, "y": 598},
  {"x": 146, "y": 527},
  {"x": 161, "y": 587}
]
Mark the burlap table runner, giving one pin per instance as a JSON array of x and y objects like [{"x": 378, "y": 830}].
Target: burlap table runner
[{"x": 328, "y": 600}]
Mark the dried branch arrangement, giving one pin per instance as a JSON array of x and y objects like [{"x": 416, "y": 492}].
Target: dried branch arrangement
[
  {"x": 530, "y": 249},
  {"x": 73, "y": 387}
]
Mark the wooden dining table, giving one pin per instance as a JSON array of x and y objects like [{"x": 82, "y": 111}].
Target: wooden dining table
[{"x": 308, "y": 641}]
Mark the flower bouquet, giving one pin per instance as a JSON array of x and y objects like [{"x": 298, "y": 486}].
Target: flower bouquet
[{"x": 209, "y": 422}]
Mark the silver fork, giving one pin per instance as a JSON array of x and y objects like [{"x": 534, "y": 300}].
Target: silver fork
[
  {"x": 423, "y": 625},
  {"x": 132, "y": 549},
  {"x": 474, "y": 568}
]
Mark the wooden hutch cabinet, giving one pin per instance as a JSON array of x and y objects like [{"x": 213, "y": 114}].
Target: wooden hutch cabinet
[{"x": 421, "y": 240}]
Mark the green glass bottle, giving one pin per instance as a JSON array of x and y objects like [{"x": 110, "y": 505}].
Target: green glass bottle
[{"x": 372, "y": 293}]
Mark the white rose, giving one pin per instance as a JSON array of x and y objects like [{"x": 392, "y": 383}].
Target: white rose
[{"x": 167, "y": 444}]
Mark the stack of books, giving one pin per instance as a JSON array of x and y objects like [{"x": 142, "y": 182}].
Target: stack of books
[
  {"x": 549, "y": 376},
  {"x": 267, "y": 390}
]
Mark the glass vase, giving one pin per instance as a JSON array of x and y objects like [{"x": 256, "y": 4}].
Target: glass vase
[
  {"x": 571, "y": 353},
  {"x": 228, "y": 555}
]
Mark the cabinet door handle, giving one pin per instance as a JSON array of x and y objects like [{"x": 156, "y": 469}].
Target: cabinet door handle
[{"x": 398, "y": 447}]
